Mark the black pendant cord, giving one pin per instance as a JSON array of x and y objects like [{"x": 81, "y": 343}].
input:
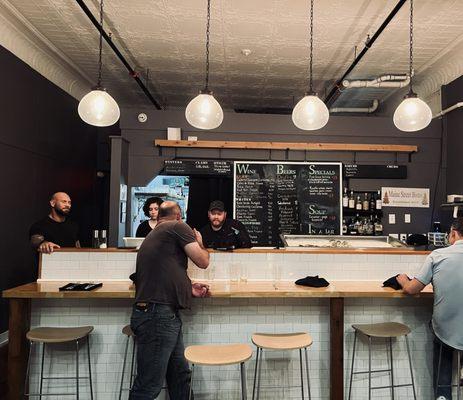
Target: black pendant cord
[
  {"x": 311, "y": 91},
  {"x": 208, "y": 33},
  {"x": 411, "y": 48},
  {"x": 99, "y": 84}
]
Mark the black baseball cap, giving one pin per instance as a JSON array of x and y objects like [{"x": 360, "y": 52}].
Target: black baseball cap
[{"x": 217, "y": 205}]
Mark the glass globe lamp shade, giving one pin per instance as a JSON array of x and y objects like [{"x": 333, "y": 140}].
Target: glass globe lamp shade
[
  {"x": 413, "y": 114},
  {"x": 310, "y": 113},
  {"x": 204, "y": 111},
  {"x": 98, "y": 108}
]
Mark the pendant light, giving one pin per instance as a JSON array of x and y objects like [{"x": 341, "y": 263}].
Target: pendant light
[
  {"x": 413, "y": 114},
  {"x": 310, "y": 113},
  {"x": 98, "y": 108},
  {"x": 204, "y": 111}
]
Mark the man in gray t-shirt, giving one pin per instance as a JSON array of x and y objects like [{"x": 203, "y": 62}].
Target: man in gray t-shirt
[
  {"x": 444, "y": 269},
  {"x": 162, "y": 288}
]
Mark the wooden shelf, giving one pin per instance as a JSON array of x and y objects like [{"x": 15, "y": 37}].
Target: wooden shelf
[{"x": 217, "y": 144}]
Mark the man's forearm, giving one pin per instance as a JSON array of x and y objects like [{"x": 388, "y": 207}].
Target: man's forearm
[{"x": 37, "y": 240}]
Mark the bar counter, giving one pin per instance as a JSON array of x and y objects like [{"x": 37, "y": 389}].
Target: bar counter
[{"x": 265, "y": 300}]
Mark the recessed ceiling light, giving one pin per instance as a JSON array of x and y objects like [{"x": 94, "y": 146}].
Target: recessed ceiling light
[{"x": 246, "y": 52}]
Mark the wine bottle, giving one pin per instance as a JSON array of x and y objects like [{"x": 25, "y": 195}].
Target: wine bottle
[{"x": 345, "y": 199}]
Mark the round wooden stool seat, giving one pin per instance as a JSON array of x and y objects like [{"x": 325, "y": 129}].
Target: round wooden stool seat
[
  {"x": 58, "y": 335},
  {"x": 383, "y": 329},
  {"x": 224, "y": 354},
  {"x": 127, "y": 331},
  {"x": 282, "y": 341}
]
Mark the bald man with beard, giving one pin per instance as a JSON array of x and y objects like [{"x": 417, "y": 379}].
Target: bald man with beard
[{"x": 56, "y": 230}]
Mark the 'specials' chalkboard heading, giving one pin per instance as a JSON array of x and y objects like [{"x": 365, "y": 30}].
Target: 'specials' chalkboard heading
[{"x": 271, "y": 198}]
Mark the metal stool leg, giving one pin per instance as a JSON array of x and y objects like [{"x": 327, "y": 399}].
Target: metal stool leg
[
  {"x": 255, "y": 375},
  {"x": 191, "y": 381},
  {"x": 133, "y": 363},
  {"x": 26, "y": 380},
  {"x": 259, "y": 373},
  {"x": 392, "y": 368},
  {"x": 243, "y": 382},
  {"x": 458, "y": 374},
  {"x": 410, "y": 363},
  {"x": 77, "y": 369},
  {"x": 123, "y": 366},
  {"x": 307, "y": 371},
  {"x": 41, "y": 370},
  {"x": 89, "y": 368},
  {"x": 369, "y": 367},
  {"x": 352, "y": 367},
  {"x": 302, "y": 375},
  {"x": 438, "y": 371}
]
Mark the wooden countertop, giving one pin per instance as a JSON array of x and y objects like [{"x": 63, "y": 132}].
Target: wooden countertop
[
  {"x": 392, "y": 251},
  {"x": 220, "y": 289}
]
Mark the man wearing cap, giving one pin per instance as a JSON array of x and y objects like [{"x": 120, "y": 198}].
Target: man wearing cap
[{"x": 223, "y": 232}]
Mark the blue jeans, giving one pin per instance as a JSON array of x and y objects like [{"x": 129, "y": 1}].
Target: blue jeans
[
  {"x": 445, "y": 370},
  {"x": 160, "y": 353}
]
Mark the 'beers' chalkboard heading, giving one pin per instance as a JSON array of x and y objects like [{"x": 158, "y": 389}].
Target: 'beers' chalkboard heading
[
  {"x": 198, "y": 167},
  {"x": 271, "y": 198}
]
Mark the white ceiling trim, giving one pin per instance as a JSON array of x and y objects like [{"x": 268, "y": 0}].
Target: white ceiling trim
[{"x": 23, "y": 40}]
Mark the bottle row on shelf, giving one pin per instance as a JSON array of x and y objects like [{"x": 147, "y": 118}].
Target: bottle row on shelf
[
  {"x": 370, "y": 202},
  {"x": 365, "y": 226}
]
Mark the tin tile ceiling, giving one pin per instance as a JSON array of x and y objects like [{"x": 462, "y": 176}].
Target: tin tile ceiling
[{"x": 166, "y": 39}]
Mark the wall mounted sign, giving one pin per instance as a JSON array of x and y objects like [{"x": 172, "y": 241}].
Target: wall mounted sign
[
  {"x": 375, "y": 171},
  {"x": 198, "y": 167},
  {"x": 273, "y": 198},
  {"x": 405, "y": 197}
]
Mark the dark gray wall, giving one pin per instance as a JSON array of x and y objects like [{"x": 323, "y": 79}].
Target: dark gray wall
[
  {"x": 145, "y": 161},
  {"x": 44, "y": 147}
]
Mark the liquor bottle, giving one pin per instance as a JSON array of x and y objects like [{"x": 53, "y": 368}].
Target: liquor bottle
[
  {"x": 345, "y": 199},
  {"x": 378, "y": 227},
  {"x": 358, "y": 203},
  {"x": 373, "y": 202},
  {"x": 344, "y": 227},
  {"x": 351, "y": 200},
  {"x": 365, "y": 203},
  {"x": 370, "y": 226},
  {"x": 379, "y": 203},
  {"x": 361, "y": 227},
  {"x": 357, "y": 225},
  {"x": 352, "y": 227},
  {"x": 95, "y": 240},
  {"x": 103, "y": 242}
]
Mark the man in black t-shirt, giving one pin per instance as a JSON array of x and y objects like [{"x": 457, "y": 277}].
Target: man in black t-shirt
[
  {"x": 162, "y": 288},
  {"x": 56, "y": 229},
  {"x": 223, "y": 232}
]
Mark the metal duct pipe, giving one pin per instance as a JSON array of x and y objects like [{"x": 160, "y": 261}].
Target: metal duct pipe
[
  {"x": 447, "y": 110},
  {"x": 367, "y": 110},
  {"x": 335, "y": 91},
  {"x": 386, "y": 81},
  {"x": 119, "y": 55}
]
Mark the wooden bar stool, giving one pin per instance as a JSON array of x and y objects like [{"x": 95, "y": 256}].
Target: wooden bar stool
[
  {"x": 387, "y": 330},
  {"x": 217, "y": 355},
  {"x": 459, "y": 380},
  {"x": 281, "y": 341},
  {"x": 127, "y": 331},
  {"x": 46, "y": 335}
]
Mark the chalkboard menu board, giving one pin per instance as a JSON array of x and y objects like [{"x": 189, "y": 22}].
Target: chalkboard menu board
[
  {"x": 198, "y": 167},
  {"x": 375, "y": 171},
  {"x": 271, "y": 198}
]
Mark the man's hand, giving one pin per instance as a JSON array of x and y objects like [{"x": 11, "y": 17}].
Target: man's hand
[
  {"x": 403, "y": 279},
  {"x": 47, "y": 247},
  {"x": 200, "y": 290},
  {"x": 199, "y": 238}
]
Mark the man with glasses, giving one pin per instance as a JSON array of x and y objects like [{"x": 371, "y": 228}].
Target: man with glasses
[{"x": 444, "y": 269}]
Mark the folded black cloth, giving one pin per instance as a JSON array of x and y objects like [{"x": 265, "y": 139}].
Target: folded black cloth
[
  {"x": 313, "y": 281},
  {"x": 133, "y": 277},
  {"x": 392, "y": 283}
]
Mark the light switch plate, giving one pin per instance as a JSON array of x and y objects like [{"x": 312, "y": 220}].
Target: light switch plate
[
  {"x": 403, "y": 237},
  {"x": 392, "y": 219},
  {"x": 407, "y": 218}
]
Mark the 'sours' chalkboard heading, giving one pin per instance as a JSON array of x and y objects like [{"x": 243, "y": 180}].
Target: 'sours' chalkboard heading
[
  {"x": 375, "y": 171},
  {"x": 198, "y": 167},
  {"x": 271, "y": 198}
]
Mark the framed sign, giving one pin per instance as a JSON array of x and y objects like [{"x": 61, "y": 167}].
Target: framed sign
[{"x": 405, "y": 197}]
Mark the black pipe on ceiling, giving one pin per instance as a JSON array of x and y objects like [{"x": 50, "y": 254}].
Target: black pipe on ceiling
[
  {"x": 108, "y": 40},
  {"x": 335, "y": 91}
]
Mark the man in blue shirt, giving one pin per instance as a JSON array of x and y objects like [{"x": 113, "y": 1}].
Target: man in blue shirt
[{"x": 444, "y": 269}]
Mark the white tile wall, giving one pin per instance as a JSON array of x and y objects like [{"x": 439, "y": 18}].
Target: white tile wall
[{"x": 234, "y": 320}]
